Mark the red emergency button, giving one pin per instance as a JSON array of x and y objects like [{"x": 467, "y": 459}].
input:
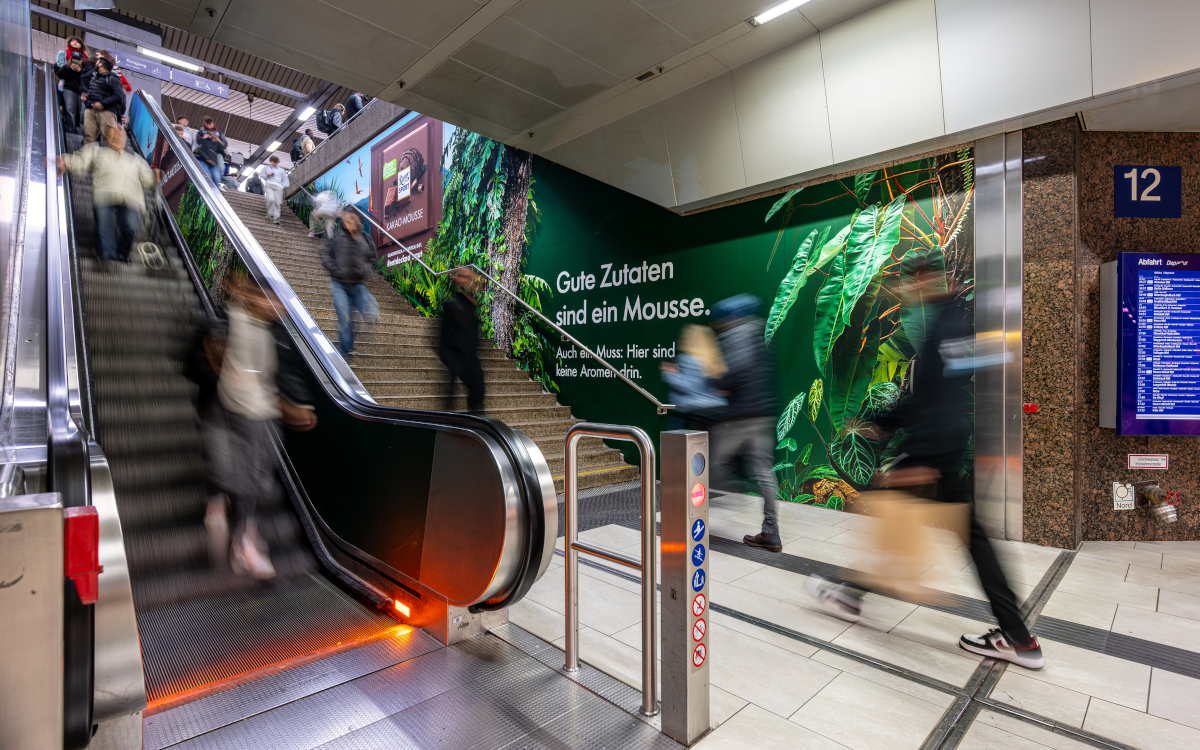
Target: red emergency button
[{"x": 81, "y": 551}]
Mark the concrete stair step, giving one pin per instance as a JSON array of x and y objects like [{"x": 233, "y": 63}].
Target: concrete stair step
[
  {"x": 394, "y": 351},
  {"x": 491, "y": 401},
  {"x": 435, "y": 387},
  {"x": 426, "y": 361},
  {"x": 586, "y": 460},
  {"x": 507, "y": 414},
  {"x": 398, "y": 324},
  {"x": 536, "y": 428},
  {"x": 600, "y": 476}
]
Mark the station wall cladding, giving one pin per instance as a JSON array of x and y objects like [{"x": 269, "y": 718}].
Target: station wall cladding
[{"x": 827, "y": 261}]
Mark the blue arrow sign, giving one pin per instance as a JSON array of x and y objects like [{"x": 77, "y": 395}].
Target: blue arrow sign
[
  {"x": 698, "y": 580},
  {"x": 698, "y": 555},
  {"x": 698, "y": 530}
]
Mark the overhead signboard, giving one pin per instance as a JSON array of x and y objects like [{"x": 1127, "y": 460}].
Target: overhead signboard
[{"x": 162, "y": 72}]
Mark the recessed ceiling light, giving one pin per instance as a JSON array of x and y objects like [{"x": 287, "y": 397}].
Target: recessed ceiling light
[
  {"x": 307, "y": 113},
  {"x": 274, "y": 146},
  {"x": 775, "y": 11}
]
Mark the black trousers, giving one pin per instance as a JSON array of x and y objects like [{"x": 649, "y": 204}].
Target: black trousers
[
  {"x": 464, "y": 367},
  {"x": 953, "y": 489}
]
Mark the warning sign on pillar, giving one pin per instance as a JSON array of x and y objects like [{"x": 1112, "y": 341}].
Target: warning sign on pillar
[
  {"x": 698, "y": 655},
  {"x": 698, "y": 605},
  {"x": 698, "y": 494},
  {"x": 698, "y": 629}
]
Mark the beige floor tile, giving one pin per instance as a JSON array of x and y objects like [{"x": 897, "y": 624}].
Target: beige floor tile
[
  {"x": 1139, "y": 729},
  {"x": 727, "y": 528},
  {"x": 543, "y": 622},
  {"x": 1179, "y": 605},
  {"x": 1169, "y": 630},
  {"x": 722, "y": 706},
  {"x": 961, "y": 582},
  {"x": 1009, "y": 550},
  {"x": 883, "y": 613},
  {"x": 1097, "y": 568},
  {"x": 766, "y": 675},
  {"x": 1041, "y": 698},
  {"x": 775, "y": 583},
  {"x": 1175, "y": 697},
  {"x": 1115, "y": 591},
  {"x": 1081, "y": 609},
  {"x": 1185, "y": 549},
  {"x": 858, "y": 523},
  {"x": 602, "y": 606},
  {"x": 887, "y": 679},
  {"x": 864, "y": 540},
  {"x": 865, "y": 715},
  {"x": 1117, "y": 543},
  {"x": 1024, "y": 729},
  {"x": 902, "y": 652},
  {"x": 633, "y": 587},
  {"x": 1163, "y": 579},
  {"x": 726, "y": 568},
  {"x": 1104, "y": 551},
  {"x": 715, "y": 512},
  {"x": 611, "y": 657},
  {"x": 763, "y": 634},
  {"x": 834, "y": 554},
  {"x": 632, "y": 635},
  {"x": 811, "y": 513},
  {"x": 1179, "y": 564},
  {"x": 940, "y": 630},
  {"x": 612, "y": 537},
  {"x": 1092, "y": 673},
  {"x": 982, "y": 736},
  {"x": 754, "y": 728}
]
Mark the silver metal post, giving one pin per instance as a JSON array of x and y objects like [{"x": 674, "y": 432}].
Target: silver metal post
[{"x": 649, "y": 562}]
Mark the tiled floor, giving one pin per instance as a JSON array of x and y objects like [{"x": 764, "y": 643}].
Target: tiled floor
[{"x": 773, "y": 690}]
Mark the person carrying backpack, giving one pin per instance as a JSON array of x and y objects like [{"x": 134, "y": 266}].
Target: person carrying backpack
[
  {"x": 349, "y": 259},
  {"x": 210, "y": 150},
  {"x": 297, "y": 152},
  {"x": 106, "y": 101},
  {"x": 355, "y": 104},
  {"x": 69, "y": 69}
]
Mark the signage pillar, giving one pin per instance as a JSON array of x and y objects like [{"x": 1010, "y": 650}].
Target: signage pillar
[{"x": 685, "y": 590}]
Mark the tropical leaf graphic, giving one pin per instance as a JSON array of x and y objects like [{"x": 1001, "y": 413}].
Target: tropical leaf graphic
[
  {"x": 782, "y": 466},
  {"x": 828, "y": 250},
  {"x": 790, "y": 444},
  {"x": 856, "y": 455},
  {"x": 881, "y": 398},
  {"x": 805, "y": 455},
  {"x": 852, "y": 361},
  {"x": 789, "y": 288},
  {"x": 917, "y": 316},
  {"x": 781, "y": 203},
  {"x": 788, "y": 418},
  {"x": 815, "y": 393},
  {"x": 830, "y": 322},
  {"x": 869, "y": 245},
  {"x": 862, "y": 185}
]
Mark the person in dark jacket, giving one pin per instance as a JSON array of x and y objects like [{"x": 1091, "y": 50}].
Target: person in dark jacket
[
  {"x": 105, "y": 101},
  {"x": 745, "y": 433},
  {"x": 349, "y": 259},
  {"x": 254, "y": 185},
  {"x": 210, "y": 150},
  {"x": 69, "y": 70},
  {"x": 458, "y": 347},
  {"x": 355, "y": 103},
  {"x": 931, "y": 450}
]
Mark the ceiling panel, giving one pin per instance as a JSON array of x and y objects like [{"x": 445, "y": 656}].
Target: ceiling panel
[
  {"x": 1134, "y": 43},
  {"x": 699, "y": 19},
  {"x": 788, "y": 28},
  {"x": 323, "y": 33},
  {"x": 826, "y": 13},
  {"x": 702, "y": 139},
  {"x": 1173, "y": 111},
  {"x": 177, "y": 13},
  {"x": 422, "y": 21},
  {"x": 466, "y": 89},
  {"x": 586, "y": 154},
  {"x": 354, "y": 78},
  {"x": 521, "y": 57},
  {"x": 637, "y": 156},
  {"x": 616, "y": 35}
]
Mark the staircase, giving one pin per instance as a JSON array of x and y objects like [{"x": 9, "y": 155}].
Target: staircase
[{"x": 397, "y": 358}]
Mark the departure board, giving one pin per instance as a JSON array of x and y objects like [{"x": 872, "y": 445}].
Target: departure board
[{"x": 1160, "y": 344}]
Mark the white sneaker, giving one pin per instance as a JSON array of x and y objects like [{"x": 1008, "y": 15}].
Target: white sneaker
[
  {"x": 833, "y": 599},
  {"x": 218, "y": 530},
  {"x": 995, "y": 644},
  {"x": 249, "y": 555}
]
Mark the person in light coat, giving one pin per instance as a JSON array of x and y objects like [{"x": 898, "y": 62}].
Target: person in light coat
[{"x": 274, "y": 180}]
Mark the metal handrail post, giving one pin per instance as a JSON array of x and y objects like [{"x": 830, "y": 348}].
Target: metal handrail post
[
  {"x": 660, "y": 406},
  {"x": 649, "y": 566}
]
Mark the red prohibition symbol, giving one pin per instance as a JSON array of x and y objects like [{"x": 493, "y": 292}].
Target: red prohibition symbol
[
  {"x": 698, "y": 655},
  {"x": 698, "y": 629},
  {"x": 698, "y": 605}
]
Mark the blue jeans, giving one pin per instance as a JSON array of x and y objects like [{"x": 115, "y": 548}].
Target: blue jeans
[
  {"x": 214, "y": 171},
  {"x": 116, "y": 227},
  {"x": 346, "y": 298}
]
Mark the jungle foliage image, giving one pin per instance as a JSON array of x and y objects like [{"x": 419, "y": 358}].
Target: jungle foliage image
[
  {"x": 487, "y": 210},
  {"x": 214, "y": 256},
  {"x": 867, "y": 327}
]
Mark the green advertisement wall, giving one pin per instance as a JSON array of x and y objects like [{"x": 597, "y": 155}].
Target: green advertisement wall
[{"x": 625, "y": 275}]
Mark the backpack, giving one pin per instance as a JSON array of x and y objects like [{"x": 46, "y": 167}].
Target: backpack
[
  {"x": 296, "y": 153},
  {"x": 325, "y": 122}
]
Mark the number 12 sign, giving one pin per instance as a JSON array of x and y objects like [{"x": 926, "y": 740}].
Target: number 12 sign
[{"x": 1147, "y": 192}]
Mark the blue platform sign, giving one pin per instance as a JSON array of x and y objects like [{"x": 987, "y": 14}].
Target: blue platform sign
[
  {"x": 200, "y": 83},
  {"x": 698, "y": 554},
  {"x": 698, "y": 530},
  {"x": 142, "y": 66},
  {"x": 698, "y": 580},
  {"x": 1147, "y": 191}
]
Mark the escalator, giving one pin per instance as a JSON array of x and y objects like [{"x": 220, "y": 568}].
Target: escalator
[{"x": 385, "y": 518}]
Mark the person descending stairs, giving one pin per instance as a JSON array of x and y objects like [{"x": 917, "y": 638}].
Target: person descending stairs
[{"x": 397, "y": 357}]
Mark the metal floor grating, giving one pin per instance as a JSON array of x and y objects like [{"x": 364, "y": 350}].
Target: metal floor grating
[{"x": 206, "y": 640}]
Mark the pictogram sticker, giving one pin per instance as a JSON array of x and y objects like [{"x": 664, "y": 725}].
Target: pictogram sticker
[
  {"x": 698, "y": 579},
  {"x": 698, "y": 630},
  {"x": 698, "y": 605},
  {"x": 698, "y": 655},
  {"x": 698, "y": 494},
  {"x": 698, "y": 530},
  {"x": 698, "y": 555}
]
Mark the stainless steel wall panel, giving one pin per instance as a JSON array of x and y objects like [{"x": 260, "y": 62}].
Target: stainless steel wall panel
[{"x": 1013, "y": 333}]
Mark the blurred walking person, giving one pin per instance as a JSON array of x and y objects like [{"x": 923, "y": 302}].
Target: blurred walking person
[
  {"x": 327, "y": 206},
  {"x": 458, "y": 347},
  {"x": 307, "y": 144},
  {"x": 210, "y": 150},
  {"x": 247, "y": 383},
  {"x": 349, "y": 259},
  {"x": 690, "y": 378},
  {"x": 746, "y": 432},
  {"x": 932, "y": 449},
  {"x": 355, "y": 104},
  {"x": 274, "y": 180},
  {"x": 119, "y": 184}
]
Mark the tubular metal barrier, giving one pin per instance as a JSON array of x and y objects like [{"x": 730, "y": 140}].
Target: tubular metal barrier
[{"x": 648, "y": 565}]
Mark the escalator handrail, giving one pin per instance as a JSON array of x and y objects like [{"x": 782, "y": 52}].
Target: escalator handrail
[
  {"x": 659, "y": 406},
  {"x": 347, "y": 391},
  {"x": 68, "y": 470}
]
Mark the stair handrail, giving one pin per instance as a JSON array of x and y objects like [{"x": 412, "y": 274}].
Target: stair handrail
[{"x": 660, "y": 406}]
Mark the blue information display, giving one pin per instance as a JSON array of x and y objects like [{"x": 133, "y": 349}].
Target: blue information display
[{"x": 1159, "y": 344}]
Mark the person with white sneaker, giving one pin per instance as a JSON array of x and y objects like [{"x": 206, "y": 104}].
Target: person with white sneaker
[
  {"x": 931, "y": 453},
  {"x": 274, "y": 179}
]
